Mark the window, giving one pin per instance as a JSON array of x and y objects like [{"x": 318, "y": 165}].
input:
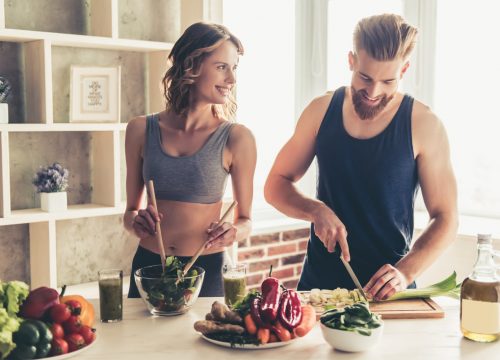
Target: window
[
  {"x": 466, "y": 99},
  {"x": 266, "y": 77}
]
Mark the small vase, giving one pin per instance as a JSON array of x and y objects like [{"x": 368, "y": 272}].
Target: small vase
[
  {"x": 4, "y": 113},
  {"x": 54, "y": 201}
]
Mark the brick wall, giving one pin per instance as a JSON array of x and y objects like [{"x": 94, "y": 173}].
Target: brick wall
[{"x": 285, "y": 251}]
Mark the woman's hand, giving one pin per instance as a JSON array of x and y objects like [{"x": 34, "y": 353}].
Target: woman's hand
[
  {"x": 221, "y": 235},
  {"x": 144, "y": 223}
]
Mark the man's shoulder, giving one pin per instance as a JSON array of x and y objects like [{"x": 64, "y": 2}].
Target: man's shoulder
[
  {"x": 321, "y": 103},
  {"x": 423, "y": 117},
  {"x": 427, "y": 129},
  {"x": 316, "y": 110}
]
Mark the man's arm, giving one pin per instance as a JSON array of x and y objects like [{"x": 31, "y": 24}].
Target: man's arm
[
  {"x": 290, "y": 165},
  {"x": 439, "y": 191}
]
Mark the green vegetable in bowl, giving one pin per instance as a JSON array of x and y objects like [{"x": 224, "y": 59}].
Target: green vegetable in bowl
[
  {"x": 170, "y": 291},
  {"x": 357, "y": 318}
]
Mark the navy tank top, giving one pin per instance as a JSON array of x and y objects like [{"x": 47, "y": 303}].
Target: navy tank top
[
  {"x": 198, "y": 178},
  {"x": 371, "y": 185}
]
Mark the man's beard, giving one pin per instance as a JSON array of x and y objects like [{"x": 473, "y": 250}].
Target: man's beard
[{"x": 364, "y": 111}]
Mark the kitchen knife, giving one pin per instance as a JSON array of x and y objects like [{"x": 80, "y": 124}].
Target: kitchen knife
[{"x": 353, "y": 277}]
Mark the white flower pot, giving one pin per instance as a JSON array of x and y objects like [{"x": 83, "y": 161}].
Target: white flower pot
[
  {"x": 54, "y": 202},
  {"x": 4, "y": 113}
]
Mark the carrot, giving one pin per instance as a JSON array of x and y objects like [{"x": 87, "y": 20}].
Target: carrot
[
  {"x": 308, "y": 321},
  {"x": 282, "y": 332},
  {"x": 273, "y": 338},
  {"x": 250, "y": 324},
  {"x": 263, "y": 335}
]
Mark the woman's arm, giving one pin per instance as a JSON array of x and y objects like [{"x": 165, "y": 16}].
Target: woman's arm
[
  {"x": 143, "y": 225},
  {"x": 243, "y": 156}
]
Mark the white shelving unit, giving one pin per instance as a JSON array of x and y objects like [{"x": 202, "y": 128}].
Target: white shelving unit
[{"x": 105, "y": 152}]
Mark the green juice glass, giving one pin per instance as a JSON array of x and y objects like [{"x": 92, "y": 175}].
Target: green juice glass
[
  {"x": 235, "y": 283},
  {"x": 111, "y": 295}
]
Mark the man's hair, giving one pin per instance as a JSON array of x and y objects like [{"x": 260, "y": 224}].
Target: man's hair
[
  {"x": 385, "y": 37},
  {"x": 196, "y": 43}
]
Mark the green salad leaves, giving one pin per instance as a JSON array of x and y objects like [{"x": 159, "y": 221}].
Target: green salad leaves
[
  {"x": 12, "y": 294},
  {"x": 170, "y": 290},
  {"x": 357, "y": 318}
]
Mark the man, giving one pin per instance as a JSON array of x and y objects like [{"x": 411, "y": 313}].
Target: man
[{"x": 374, "y": 147}]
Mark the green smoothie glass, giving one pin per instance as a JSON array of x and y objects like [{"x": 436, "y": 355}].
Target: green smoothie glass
[
  {"x": 235, "y": 283},
  {"x": 111, "y": 295}
]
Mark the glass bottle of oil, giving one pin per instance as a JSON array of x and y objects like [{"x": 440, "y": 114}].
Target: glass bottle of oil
[{"x": 480, "y": 296}]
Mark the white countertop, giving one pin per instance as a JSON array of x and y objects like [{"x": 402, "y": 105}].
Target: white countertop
[{"x": 142, "y": 336}]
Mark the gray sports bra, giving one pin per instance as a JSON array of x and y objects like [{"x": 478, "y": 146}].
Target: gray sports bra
[{"x": 198, "y": 178}]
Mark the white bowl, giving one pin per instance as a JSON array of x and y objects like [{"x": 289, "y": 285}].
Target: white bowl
[{"x": 351, "y": 341}]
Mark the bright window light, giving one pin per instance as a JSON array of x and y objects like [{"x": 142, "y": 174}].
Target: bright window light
[
  {"x": 266, "y": 77},
  {"x": 467, "y": 97}
]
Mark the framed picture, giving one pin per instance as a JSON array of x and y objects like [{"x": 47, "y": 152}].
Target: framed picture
[{"x": 94, "y": 94}]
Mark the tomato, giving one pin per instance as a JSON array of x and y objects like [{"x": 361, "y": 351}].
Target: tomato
[
  {"x": 75, "y": 342},
  {"x": 57, "y": 331},
  {"x": 88, "y": 334},
  {"x": 59, "y": 347},
  {"x": 72, "y": 325},
  {"x": 59, "y": 313},
  {"x": 75, "y": 306}
]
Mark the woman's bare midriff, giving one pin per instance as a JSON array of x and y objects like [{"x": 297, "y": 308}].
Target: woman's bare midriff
[{"x": 184, "y": 227}]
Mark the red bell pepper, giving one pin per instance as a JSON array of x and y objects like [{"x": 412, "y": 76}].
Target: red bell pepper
[
  {"x": 290, "y": 313},
  {"x": 270, "y": 298}
]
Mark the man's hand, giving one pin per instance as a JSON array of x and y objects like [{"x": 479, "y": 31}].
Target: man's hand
[
  {"x": 386, "y": 282},
  {"x": 330, "y": 230}
]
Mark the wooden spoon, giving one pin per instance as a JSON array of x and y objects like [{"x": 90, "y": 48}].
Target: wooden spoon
[
  {"x": 202, "y": 247},
  {"x": 152, "y": 196}
]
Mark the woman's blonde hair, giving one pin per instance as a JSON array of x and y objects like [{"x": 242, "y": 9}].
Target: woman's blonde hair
[
  {"x": 385, "y": 37},
  {"x": 186, "y": 57}
]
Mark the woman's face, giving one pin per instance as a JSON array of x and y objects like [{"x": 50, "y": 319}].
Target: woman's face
[{"x": 217, "y": 75}]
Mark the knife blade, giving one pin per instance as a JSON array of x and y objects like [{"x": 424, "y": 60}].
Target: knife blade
[{"x": 353, "y": 277}]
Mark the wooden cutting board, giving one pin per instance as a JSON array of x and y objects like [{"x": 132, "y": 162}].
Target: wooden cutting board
[{"x": 408, "y": 309}]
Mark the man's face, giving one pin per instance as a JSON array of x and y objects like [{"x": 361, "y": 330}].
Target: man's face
[{"x": 374, "y": 83}]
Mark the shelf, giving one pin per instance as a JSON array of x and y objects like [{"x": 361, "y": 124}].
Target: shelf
[
  {"x": 62, "y": 127},
  {"x": 74, "y": 212},
  {"x": 39, "y": 42},
  {"x": 84, "y": 41}
]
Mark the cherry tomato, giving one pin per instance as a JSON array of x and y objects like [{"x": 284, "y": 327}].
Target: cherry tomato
[
  {"x": 58, "y": 347},
  {"x": 57, "y": 331},
  {"x": 59, "y": 313},
  {"x": 74, "y": 306},
  {"x": 75, "y": 341},
  {"x": 72, "y": 325},
  {"x": 88, "y": 334}
]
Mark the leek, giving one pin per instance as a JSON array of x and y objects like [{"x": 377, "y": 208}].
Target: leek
[{"x": 446, "y": 287}]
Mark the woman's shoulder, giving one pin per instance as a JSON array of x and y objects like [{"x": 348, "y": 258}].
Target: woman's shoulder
[
  {"x": 136, "y": 129},
  {"x": 137, "y": 124},
  {"x": 240, "y": 135},
  {"x": 240, "y": 132}
]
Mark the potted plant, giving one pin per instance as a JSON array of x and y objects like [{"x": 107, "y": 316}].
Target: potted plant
[
  {"x": 51, "y": 182},
  {"x": 5, "y": 89}
]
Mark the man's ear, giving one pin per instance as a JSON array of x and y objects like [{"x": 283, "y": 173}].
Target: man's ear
[
  {"x": 352, "y": 60},
  {"x": 405, "y": 67}
]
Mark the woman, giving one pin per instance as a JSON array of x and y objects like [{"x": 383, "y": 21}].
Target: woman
[{"x": 188, "y": 150}]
